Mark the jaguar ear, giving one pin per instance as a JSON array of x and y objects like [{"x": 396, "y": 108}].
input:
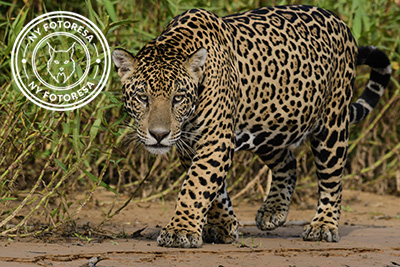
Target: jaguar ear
[
  {"x": 123, "y": 61},
  {"x": 195, "y": 62}
]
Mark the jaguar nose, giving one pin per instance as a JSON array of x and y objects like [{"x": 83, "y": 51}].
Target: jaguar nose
[{"x": 159, "y": 135}]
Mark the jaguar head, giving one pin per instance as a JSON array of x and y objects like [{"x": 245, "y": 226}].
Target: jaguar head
[{"x": 160, "y": 93}]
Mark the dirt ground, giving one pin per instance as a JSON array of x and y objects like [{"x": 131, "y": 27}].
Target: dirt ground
[{"x": 369, "y": 228}]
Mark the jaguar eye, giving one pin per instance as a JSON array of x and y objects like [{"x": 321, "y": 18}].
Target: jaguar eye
[
  {"x": 177, "y": 99},
  {"x": 56, "y": 62},
  {"x": 66, "y": 61},
  {"x": 143, "y": 98}
]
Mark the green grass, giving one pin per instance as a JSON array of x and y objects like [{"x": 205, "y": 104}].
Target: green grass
[{"x": 47, "y": 157}]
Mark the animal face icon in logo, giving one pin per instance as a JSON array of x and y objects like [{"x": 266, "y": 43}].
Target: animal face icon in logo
[
  {"x": 60, "y": 61},
  {"x": 61, "y": 64}
]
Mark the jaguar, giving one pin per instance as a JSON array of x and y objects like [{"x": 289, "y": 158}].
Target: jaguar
[{"x": 263, "y": 81}]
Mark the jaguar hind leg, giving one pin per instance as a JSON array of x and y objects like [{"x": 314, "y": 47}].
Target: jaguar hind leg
[
  {"x": 275, "y": 209},
  {"x": 222, "y": 224},
  {"x": 329, "y": 147}
]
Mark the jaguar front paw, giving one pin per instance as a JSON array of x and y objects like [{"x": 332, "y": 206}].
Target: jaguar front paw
[{"x": 179, "y": 238}]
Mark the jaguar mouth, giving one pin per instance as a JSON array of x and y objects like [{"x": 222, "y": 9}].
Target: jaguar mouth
[{"x": 158, "y": 149}]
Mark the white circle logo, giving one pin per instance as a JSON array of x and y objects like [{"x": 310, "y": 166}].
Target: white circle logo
[{"x": 61, "y": 61}]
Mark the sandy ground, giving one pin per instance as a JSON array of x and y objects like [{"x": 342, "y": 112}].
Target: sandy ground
[{"x": 369, "y": 228}]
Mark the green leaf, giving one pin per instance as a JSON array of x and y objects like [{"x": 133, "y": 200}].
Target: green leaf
[
  {"x": 7, "y": 4},
  {"x": 95, "y": 129},
  {"x": 110, "y": 10},
  {"x": 78, "y": 70},
  {"x": 19, "y": 21},
  {"x": 16, "y": 28},
  {"x": 53, "y": 212},
  {"x": 59, "y": 163},
  {"x": 124, "y": 115},
  {"x": 7, "y": 199},
  {"x": 116, "y": 24},
  {"x": 109, "y": 106},
  {"x": 111, "y": 97},
  {"x": 357, "y": 26},
  {"x": 66, "y": 128},
  {"x": 90, "y": 9},
  {"x": 96, "y": 180},
  {"x": 149, "y": 35},
  {"x": 366, "y": 22},
  {"x": 99, "y": 20}
]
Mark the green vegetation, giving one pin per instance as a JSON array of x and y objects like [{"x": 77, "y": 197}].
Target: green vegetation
[
  {"x": 52, "y": 163},
  {"x": 83, "y": 238},
  {"x": 347, "y": 208}
]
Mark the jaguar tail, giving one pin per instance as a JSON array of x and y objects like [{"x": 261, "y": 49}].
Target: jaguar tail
[{"x": 378, "y": 80}]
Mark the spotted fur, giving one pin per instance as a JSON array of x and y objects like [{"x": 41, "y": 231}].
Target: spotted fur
[{"x": 262, "y": 81}]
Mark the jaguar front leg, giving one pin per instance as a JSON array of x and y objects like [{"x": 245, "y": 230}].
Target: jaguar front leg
[{"x": 204, "y": 181}]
